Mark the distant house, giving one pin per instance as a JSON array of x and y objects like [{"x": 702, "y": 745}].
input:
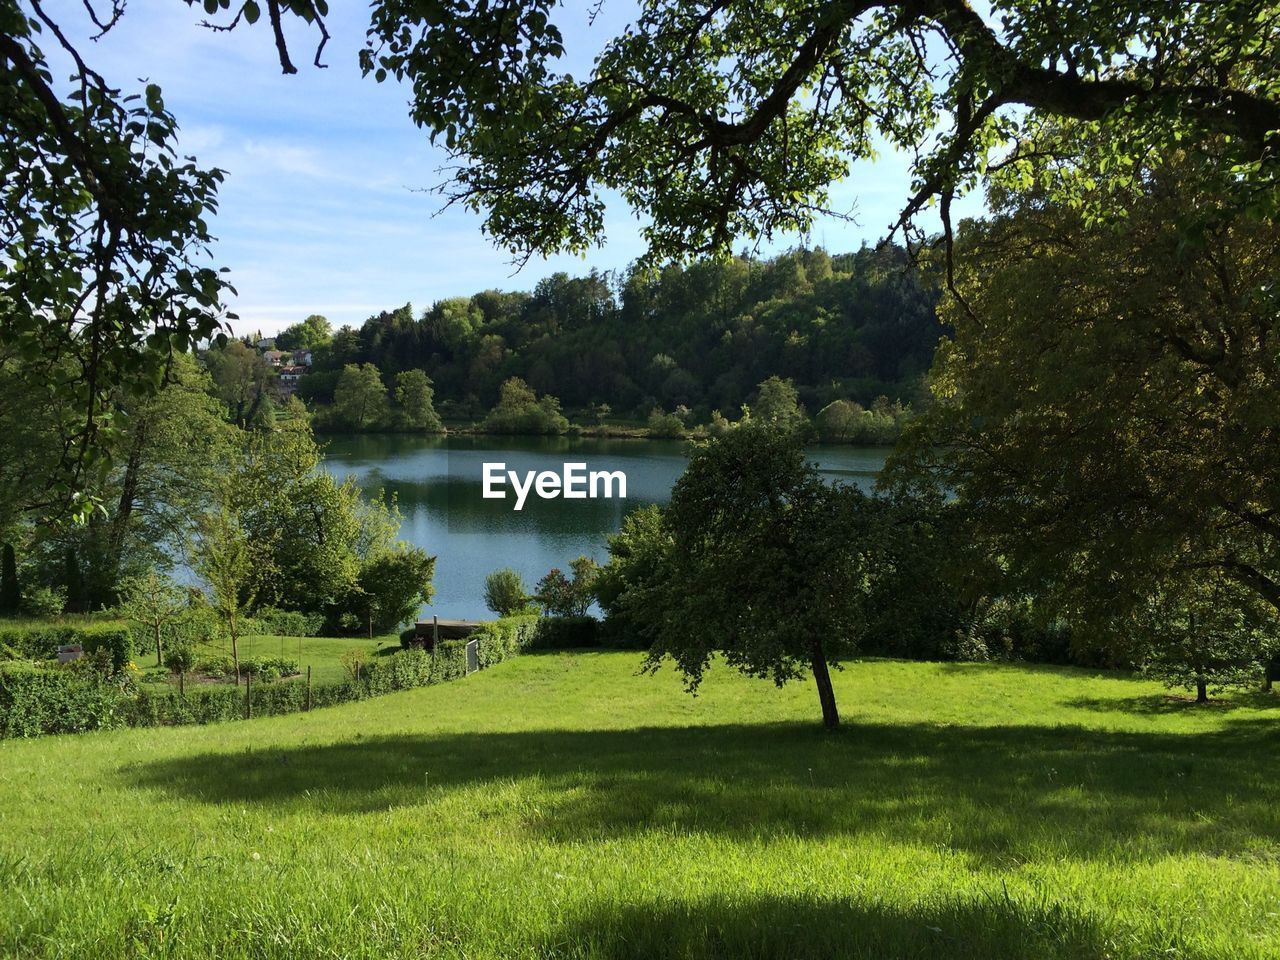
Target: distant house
[
  {"x": 277, "y": 358},
  {"x": 267, "y": 344},
  {"x": 302, "y": 358},
  {"x": 288, "y": 377}
]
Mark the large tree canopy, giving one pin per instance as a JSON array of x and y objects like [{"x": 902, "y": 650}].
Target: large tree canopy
[
  {"x": 104, "y": 238},
  {"x": 724, "y": 119},
  {"x": 1110, "y": 405}
]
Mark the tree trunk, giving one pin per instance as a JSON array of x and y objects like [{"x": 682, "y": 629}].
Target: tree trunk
[
  {"x": 235, "y": 649},
  {"x": 1202, "y": 690},
  {"x": 826, "y": 695},
  {"x": 159, "y": 655},
  {"x": 10, "y": 588}
]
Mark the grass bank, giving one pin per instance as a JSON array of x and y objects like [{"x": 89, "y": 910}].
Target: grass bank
[{"x": 562, "y": 806}]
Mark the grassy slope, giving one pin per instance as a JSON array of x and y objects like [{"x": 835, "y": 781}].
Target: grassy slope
[{"x": 562, "y": 806}]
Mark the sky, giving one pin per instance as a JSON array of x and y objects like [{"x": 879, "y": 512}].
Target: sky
[{"x": 327, "y": 205}]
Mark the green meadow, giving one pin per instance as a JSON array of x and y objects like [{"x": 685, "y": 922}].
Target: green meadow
[{"x": 565, "y": 806}]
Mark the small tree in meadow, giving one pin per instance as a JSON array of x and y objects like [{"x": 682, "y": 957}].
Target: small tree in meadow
[
  {"x": 180, "y": 658},
  {"x": 505, "y": 593},
  {"x": 393, "y": 584},
  {"x": 228, "y": 561},
  {"x": 768, "y": 566},
  {"x": 1207, "y": 635},
  {"x": 156, "y": 602}
]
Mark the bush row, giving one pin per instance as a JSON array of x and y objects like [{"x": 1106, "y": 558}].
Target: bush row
[
  {"x": 564, "y": 633},
  {"x": 40, "y": 641},
  {"x": 37, "y": 700},
  {"x": 40, "y": 700}
]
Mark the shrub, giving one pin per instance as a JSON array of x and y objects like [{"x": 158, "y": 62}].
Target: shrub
[
  {"x": 286, "y": 623},
  {"x": 666, "y": 425},
  {"x": 180, "y": 658},
  {"x": 44, "y": 602},
  {"x": 504, "y": 592},
  {"x": 502, "y": 639},
  {"x": 40, "y": 641},
  {"x": 40, "y": 700},
  {"x": 563, "y": 633},
  {"x": 59, "y": 701}
]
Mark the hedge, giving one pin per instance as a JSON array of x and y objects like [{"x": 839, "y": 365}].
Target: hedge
[
  {"x": 40, "y": 641},
  {"x": 560, "y": 633},
  {"x": 52, "y": 700},
  {"x": 40, "y": 700},
  {"x": 502, "y": 639}
]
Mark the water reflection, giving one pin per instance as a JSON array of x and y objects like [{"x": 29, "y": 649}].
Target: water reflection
[{"x": 438, "y": 484}]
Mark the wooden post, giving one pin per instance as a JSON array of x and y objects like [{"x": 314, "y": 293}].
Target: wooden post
[
  {"x": 248, "y": 696},
  {"x": 308, "y": 687},
  {"x": 435, "y": 631}
]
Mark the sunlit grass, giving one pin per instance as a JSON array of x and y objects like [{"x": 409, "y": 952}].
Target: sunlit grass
[
  {"x": 562, "y": 806},
  {"x": 322, "y": 654}
]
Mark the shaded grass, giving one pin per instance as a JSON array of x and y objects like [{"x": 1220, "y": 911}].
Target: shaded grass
[{"x": 561, "y": 806}]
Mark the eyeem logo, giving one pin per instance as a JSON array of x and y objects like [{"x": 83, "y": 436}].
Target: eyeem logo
[{"x": 572, "y": 483}]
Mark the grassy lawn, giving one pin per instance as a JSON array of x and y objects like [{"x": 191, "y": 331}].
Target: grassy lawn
[
  {"x": 562, "y": 806},
  {"x": 322, "y": 654}
]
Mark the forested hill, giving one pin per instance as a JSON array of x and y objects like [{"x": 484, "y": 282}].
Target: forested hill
[{"x": 850, "y": 326}]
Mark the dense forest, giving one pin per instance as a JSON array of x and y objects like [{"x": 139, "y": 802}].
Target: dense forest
[{"x": 853, "y": 326}]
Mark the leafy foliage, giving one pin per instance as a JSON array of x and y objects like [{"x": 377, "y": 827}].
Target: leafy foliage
[
  {"x": 1109, "y": 405},
  {"x": 520, "y": 411},
  {"x": 105, "y": 275},
  {"x": 561, "y": 595},
  {"x": 505, "y": 593},
  {"x": 769, "y": 567},
  {"x": 849, "y": 326},
  {"x": 722, "y": 120}
]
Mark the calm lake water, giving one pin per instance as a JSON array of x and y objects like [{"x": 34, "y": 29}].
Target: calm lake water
[{"x": 438, "y": 483}]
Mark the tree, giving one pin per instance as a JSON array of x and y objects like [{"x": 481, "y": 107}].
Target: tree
[
  {"x": 564, "y": 596},
  {"x": 180, "y": 659},
  {"x": 721, "y": 121},
  {"x": 838, "y": 421},
  {"x": 769, "y": 567},
  {"x": 313, "y": 332},
  {"x": 394, "y": 584},
  {"x": 360, "y": 397},
  {"x": 1107, "y": 410},
  {"x": 662, "y": 424},
  {"x": 104, "y": 228},
  {"x": 630, "y": 586},
  {"x": 414, "y": 394},
  {"x": 505, "y": 593},
  {"x": 242, "y": 379},
  {"x": 228, "y": 560},
  {"x": 1204, "y": 633},
  {"x": 156, "y": 602},
  {"x": 318, "y": 529},
  {"x": 778, "y": 405},
  {"x": 520, "y": 411}
]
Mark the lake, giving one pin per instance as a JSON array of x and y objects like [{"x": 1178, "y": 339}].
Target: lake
[{"x": 438, "y": 483}]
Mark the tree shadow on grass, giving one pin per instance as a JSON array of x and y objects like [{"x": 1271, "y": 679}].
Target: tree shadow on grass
[
  {"x": 765, "y": 927},
  {"x": 997, "y": 793},
  {"x": 1161, "y": 704}
]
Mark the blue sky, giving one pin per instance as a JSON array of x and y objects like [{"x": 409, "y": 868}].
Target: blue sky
[{"x": 324, "y": 209}]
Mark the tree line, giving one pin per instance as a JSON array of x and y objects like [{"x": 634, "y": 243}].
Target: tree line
[{"x": 847, "y": 328}]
